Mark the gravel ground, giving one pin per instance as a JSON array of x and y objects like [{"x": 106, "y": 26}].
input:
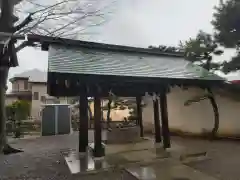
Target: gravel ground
[{"x": 43, "y": 159}]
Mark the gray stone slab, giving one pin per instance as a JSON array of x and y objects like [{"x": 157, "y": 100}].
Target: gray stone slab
[{"x": 167, "y": 170}]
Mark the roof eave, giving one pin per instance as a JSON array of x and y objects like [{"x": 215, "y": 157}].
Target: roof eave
[
  {"x": 47, "y": 40},
  {"x": 15, "y": 78}
]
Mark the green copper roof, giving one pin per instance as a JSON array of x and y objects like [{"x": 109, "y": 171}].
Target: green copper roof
[{"x": 106, "y": 62}]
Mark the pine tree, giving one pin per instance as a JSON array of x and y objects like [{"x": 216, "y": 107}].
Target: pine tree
[
  {"x": 200, "y": 51},
  {"x": 226, "y": 22}
]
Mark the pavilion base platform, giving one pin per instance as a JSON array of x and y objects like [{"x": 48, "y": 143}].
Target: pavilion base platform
[
  {"x": 85, "y": 163},
  {"x": 121, "y": 156},
  {"x": 116, "y": 155}
]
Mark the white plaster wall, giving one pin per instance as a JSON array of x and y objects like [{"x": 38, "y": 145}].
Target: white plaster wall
[
  {"x": 19, "y": 84},
  {"x": 198, "y": 117},
  {"x": 37, "y": 104}
]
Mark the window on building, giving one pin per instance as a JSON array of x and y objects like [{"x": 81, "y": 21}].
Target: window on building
[
  {"x": 25, "y": 85},
  {"x": 17, "y": 87},
  {"x": 43, "y": 99},
  {"x": 30, "y": 87},
  {"x": 35, "y": 96}
]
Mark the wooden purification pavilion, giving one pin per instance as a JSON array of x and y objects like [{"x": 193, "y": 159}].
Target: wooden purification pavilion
[{"x": 89, "y": 69}]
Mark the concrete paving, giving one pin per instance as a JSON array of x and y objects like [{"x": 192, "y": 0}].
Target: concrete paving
[
  {"x": 223, "y": 157},
  {"x": 43, "y": 159}
]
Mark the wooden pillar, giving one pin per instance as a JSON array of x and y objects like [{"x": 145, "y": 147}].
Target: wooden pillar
[
  {"x": 83, "y": 120},
  {"x": 139, "y": 114},
  {"x": 164, "y": 118},
  {"x": 156, "y": 121},
  {"x": 98, "y": 149}
]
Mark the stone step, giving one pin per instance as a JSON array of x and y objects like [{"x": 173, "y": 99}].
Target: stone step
[
  {"x": 165, "y": 170},
  {"x": 128, "y": 176},
  {"x": 193, "y": 157}
]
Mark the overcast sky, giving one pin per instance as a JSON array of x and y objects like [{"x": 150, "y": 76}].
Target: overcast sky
[{"x": 141, "y": 23}]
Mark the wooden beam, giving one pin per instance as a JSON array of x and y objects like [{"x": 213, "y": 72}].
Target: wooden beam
[
  {"x": 158, "y": 138},
  {"x": 164, "y": 118},
  {"x": 139, "y": 114},
  {"x": 119, "y": 85},
  {"x": 98, "y": 149},
  {"x": 83, "y": 120}
]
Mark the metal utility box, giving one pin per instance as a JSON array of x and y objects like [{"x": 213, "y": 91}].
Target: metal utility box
[{"x": 56, "y": 119}]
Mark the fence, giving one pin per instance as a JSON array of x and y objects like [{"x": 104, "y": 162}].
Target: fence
[
  {"x": 33, "y": 126},
  {"x": 26, "y": 127},
  {"x": 112, "y": 124}
]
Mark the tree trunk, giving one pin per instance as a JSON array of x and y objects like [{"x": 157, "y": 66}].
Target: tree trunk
[
  {"x": 216, "y": 114},
  {"x": 5, "y": 148},
  {"x": 3, "y": 81},
  {"x": 214, "y": 105},
  {"x": 212, "y": 100},
  {"x": 90, "y": 115},
  {"x": 90, "y": 112},
  {"x": 109, "y": 111}
]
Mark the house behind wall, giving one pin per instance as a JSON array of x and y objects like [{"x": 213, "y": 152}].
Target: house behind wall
[{"x": 32, "y": 86}]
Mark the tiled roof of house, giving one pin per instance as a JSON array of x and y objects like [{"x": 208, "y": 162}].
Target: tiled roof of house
[{"x": 35, "y": 75}]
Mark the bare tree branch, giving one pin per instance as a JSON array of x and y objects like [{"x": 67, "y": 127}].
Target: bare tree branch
[
  {"x": 51, "y": 6},
  {"x": 36, "y": 4},
  {"x": 23, "y": 45},
  {"x": 60, "y": 18},
  {"x": 66, "y": 17},
  {"x": 23, "y": 23}
]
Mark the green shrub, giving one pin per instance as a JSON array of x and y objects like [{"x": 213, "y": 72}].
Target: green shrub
[
  {"x": 132, "y": 117},
  {"x": 16, "y": 113}
]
